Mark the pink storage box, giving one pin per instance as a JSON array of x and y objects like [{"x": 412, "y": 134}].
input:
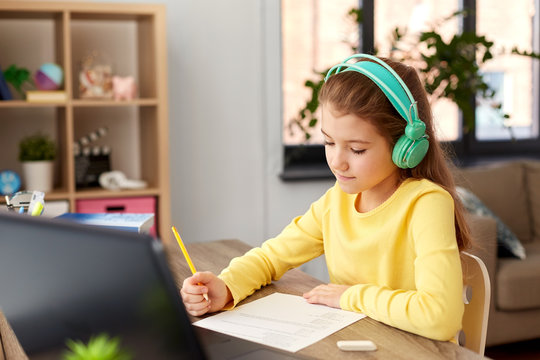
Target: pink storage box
[{"x": 131, "y": 205}]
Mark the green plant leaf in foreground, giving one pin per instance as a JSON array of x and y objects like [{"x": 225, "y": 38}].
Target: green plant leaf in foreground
[{"x": 100, "y": 347}]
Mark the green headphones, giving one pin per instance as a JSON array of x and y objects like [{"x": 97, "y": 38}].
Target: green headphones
[{"x": 411, "y": 147}]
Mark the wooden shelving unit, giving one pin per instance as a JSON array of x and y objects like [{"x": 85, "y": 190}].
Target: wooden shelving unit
[{"x": 134, "y": 35}]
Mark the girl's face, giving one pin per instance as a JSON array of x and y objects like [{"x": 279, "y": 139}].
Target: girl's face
[{"x": 359, "y": 157}]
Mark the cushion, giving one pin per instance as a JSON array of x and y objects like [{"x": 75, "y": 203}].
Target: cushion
[
  {"x": 507, "y": 241},
  {"x": 518, "y": 281},
  {"x": 533, "y": 188},
  {"x": 501, "y": 186}
]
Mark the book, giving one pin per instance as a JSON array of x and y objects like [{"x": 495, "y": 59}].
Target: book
[
  {"x": 140, "y": 223},
  {"x": 5, "y": 93},
  {"x": 46, "y": 96}
]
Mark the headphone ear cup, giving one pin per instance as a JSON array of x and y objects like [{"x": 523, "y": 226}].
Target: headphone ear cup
[
  {"x": 415, "y": 130},
  {"x": 400, "y": 149},
  {"x": 409, "y": 153}
]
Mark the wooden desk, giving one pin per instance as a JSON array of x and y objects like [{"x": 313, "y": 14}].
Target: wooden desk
[
  {"x": 392, "y": 343},
  {"x": 9, "y": 345},
  {"x": 214, "y": 256}
]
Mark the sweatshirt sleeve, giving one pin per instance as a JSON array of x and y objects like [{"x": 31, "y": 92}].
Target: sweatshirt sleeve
[
  {"x": 298, "y": 243},
  {"x": 435, "y": 308}
]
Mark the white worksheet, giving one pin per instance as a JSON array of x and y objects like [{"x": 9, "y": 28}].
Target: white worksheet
[{"x": 283, "y": 321}]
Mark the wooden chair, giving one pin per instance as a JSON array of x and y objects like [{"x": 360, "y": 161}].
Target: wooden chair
[{"x": 476, "y": 296}]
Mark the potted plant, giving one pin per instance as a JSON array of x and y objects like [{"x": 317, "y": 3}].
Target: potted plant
[
  {"x": 100, "y": 347},
  {"x": 450, "y": 69},
  {"x": 37, "y": 153},
  {"x": 18, "y": 77}
]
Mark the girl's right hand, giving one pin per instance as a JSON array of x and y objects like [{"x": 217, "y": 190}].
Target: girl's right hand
[{"x": 201, "y": 283}]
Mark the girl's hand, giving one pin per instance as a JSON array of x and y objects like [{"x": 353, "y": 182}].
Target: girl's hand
[
  {"x": 201, "y": 283},
  {"x": 328, "y": 295}
]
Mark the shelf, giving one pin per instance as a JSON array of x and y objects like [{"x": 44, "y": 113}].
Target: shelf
[
  {"x": 113, "y": 103},
  {"x": 26, "y": 104},
  {"x": 9, "y": 12},
  {"x": 59, "y": 194},
  {"x": 102, "y": 193},
  {"x": 81, "y": 10},
  {"x": 79, "y": 103},
  {"x": 133, "y": 38},
  {"x": 56, "y": 194}
]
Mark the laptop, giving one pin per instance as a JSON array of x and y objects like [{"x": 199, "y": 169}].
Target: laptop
[{"x": 61, "y": 280}]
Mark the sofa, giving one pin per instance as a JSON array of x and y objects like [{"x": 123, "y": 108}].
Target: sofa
[{"x": 510, "y": 193}]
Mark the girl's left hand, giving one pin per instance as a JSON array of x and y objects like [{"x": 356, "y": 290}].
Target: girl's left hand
[{"x": 327, "y": 294}]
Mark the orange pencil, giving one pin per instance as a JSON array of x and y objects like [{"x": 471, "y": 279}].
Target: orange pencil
[{"x": 186, "y": 255}]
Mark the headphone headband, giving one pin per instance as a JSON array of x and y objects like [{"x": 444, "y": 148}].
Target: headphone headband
[
  {"x": 412, "y": 146},
  {"x": 386, "y": 79}
]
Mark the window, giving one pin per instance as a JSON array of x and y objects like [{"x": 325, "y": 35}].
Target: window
[
  {"x": 510, "y": 75},
  {"x": 489, "y": 123},
  {"x": 414, "y": 16},
  {"x": 316, "y": 33},
  {"x": 515, "y": 78}
]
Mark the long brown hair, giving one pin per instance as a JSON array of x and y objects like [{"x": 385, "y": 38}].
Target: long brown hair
[{"x": 350, "y": 92}]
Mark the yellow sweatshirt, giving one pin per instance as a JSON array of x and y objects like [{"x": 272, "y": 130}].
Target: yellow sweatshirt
[{"x": 401, "y": 258}]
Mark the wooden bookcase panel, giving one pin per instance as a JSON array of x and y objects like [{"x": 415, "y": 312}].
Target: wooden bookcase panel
[
  {"x": 147, "y": 56},
  {"x": 150, "y": 169}
]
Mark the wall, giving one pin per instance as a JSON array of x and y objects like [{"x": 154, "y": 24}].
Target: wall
[{"x": 225, "y": 123}]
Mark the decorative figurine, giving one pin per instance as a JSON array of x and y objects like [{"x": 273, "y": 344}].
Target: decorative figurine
[
  {"x": 95, "y": 78},
  {"x": 49, "y": 77},
  {"x": 124, "y": 88}
]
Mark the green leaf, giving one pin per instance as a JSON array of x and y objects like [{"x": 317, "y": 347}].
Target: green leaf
[
  {"x": 450, "y": 69},
  {"x": 17, "y": 77},
  {"x": 516, "y": 51},
  {"x": 100, "y": 347},
  {"x": 357, "y": 14},
  {"x": 37, "y": 147}
]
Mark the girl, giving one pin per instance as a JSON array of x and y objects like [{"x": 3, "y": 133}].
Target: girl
[{"x": 391, "y": 228}]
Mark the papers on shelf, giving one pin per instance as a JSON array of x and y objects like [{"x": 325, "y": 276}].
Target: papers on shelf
[{"x": 282, "y": 321}]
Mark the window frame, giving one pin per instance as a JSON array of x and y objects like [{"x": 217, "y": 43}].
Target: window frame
[
  {"x": 469, "y": 150},
  {"x": 307, "y": 161}
]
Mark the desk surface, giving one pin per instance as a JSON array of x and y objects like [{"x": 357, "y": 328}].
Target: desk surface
[
  {"x": 392, "y": 343},
  {"x": 214, "y": 256}
]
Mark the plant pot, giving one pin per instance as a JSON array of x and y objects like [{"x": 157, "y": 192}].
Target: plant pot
[{"x": 38, "y": 175}]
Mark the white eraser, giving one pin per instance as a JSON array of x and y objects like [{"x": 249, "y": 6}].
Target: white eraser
[{"x": 356, "y": 345}]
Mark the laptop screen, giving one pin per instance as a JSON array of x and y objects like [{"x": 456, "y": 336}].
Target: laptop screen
[{"x": 62, "y": 281}]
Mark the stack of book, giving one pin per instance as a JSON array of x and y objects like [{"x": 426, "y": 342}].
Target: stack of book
[
  {"x": 140, "y": 223},
  {"x": 5, "y": 93}
]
